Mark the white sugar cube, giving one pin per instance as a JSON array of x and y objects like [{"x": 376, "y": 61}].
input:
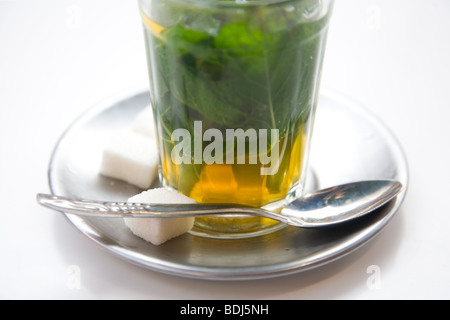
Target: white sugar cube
[
  {"x": 159, "y": 230},
  {"x": 131, "y": 157},
  {"x": 144, "y": 123}
]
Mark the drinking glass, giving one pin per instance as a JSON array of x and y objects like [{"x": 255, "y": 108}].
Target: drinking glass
[{"x": 234, "y": 87}]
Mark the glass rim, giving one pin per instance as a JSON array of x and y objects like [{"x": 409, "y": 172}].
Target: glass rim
[{"x": 236, "y": 3}]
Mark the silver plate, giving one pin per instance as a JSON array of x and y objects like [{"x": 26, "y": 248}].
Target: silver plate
[{"x": 349, "y": 144}]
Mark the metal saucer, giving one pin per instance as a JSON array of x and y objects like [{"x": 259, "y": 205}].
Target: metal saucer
[{"x": 349, "y": 144}]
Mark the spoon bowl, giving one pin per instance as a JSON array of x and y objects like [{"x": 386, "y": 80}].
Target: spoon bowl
[
  {"x": 322, "y": 208},
  {"x": 340, "y": 203}
]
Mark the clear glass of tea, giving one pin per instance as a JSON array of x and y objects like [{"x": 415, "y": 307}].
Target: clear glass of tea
[{"x": 234, "y": 87}]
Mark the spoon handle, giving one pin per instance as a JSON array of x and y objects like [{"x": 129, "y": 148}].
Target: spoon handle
[{"x": 92, "y": 208}]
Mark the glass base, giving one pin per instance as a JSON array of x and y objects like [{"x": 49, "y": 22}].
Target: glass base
[
  {"x": 249, "y": 226},
  {"x": 234, "y": 227}
]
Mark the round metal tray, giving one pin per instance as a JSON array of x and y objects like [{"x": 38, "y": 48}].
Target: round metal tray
[{"x": 349, "y": 144}]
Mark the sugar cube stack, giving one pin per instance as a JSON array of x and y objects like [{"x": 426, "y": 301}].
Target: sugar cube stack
[
  {"x": 131, "y": 157},
  {"x": 159, "y": 230}
]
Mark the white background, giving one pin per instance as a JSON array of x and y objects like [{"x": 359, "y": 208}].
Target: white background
[{"x": 58, "y": 57}]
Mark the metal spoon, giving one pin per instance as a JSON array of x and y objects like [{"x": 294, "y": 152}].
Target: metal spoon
[{"x": 318, "y": 209}]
